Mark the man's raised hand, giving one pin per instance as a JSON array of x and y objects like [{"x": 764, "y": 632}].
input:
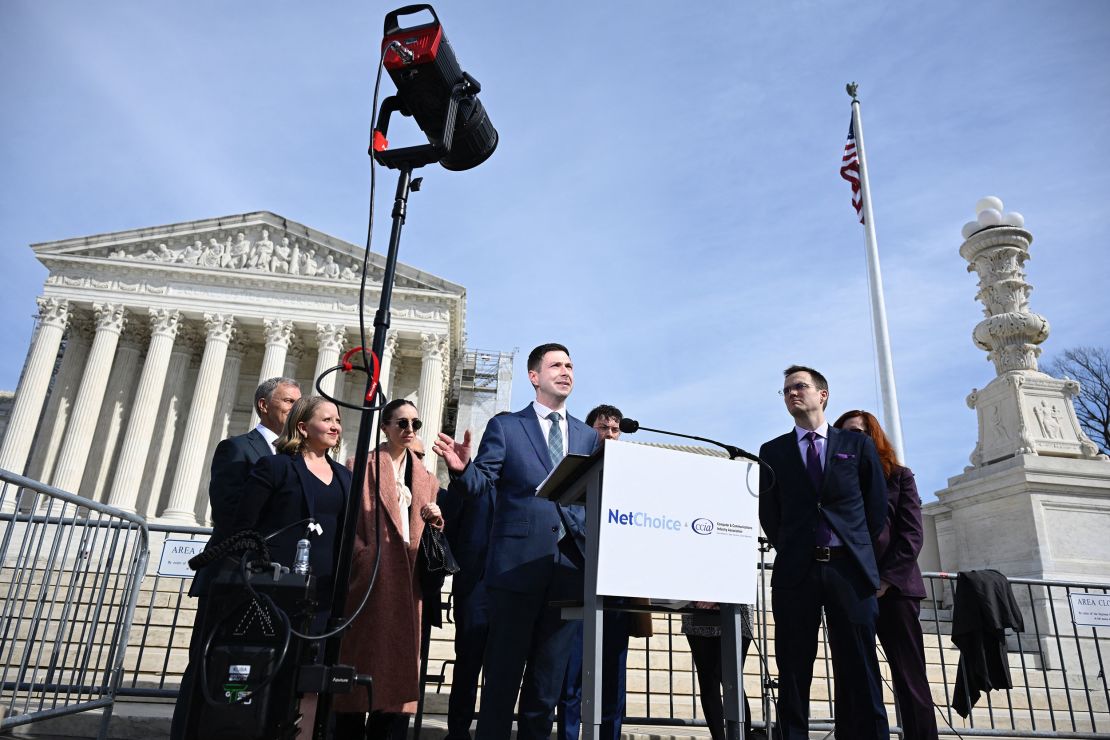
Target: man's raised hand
[{"x": 455, "y": 454}]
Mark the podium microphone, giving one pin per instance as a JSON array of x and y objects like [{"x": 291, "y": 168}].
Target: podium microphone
[{"x": 630, "y": 426}]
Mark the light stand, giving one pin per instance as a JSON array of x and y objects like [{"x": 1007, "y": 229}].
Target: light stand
[
  {"x": 405, "y": 185},
  {"x": 405, "y": 160}
]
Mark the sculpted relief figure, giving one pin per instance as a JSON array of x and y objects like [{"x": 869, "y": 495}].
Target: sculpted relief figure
[
  {"x": 213, "y": 254},
  {"x": 238, "y": 252},
  {"x": 165, "y": 254},
  {"x": 192, "y": 253},
  {"x": 309, "y": 266},
  {"x": 330, "y": 270},
  {"x": 999, "y": 427},
  {"x": 295, "y": 259},
  {"x": 282, "y": 252},
  {"x": 1049, "y": 420},
  {"x": 262, "y": 253},
  {"x": 348, "y": 273}
]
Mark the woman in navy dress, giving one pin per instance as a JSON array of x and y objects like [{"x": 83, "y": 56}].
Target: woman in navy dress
[{"x": 301, "y": 482}]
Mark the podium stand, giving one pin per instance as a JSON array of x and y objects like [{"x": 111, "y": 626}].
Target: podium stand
[{"x": 653, "y": 522}]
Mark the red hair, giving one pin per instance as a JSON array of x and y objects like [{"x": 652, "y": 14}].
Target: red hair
[{"x": 886, "y": 451}]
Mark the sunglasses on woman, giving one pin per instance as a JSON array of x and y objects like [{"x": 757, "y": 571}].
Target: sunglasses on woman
[{"x": 403, "y": 424}]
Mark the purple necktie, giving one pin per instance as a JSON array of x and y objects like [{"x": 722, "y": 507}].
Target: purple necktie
[{"x": 817, "y": 475}]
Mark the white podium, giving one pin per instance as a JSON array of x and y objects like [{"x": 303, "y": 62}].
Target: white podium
[{"x": 669, "y": 525}]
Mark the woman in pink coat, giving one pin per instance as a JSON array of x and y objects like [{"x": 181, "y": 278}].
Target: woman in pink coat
[{"x": 384, "y": 640}]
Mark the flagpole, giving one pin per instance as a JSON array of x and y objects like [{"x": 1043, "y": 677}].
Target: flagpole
[{"x": 892, "y": 419}]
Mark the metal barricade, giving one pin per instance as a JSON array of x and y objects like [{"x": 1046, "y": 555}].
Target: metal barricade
[
  {"x": 69, "y": 575},
  {"x": 163, "y": 624},
  {"x": 1057, "y": 668},
  {"x": 1059, "y": 672}
]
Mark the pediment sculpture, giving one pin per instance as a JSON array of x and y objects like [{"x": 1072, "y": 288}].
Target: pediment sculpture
[{"x": 285, "y": 257}]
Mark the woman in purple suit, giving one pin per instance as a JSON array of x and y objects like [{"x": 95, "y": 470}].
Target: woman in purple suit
[{"x": 901, "y": 588}]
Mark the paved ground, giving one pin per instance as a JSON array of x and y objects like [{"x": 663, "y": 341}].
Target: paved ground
[{"x": 151, "y": 721}]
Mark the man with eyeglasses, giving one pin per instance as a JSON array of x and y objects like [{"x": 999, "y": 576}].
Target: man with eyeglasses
[
  {"x": 822, "y": 508},
  {"x": 535, "y": 547}
]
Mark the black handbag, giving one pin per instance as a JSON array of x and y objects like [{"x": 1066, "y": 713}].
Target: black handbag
[
  {"x": 436, "y": 553},
  {"x": 434, "y": 562}
]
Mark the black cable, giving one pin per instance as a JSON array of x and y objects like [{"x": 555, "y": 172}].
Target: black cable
[
  {"x": 366, "y": 359},
  {"x": 769, "y": 687},
  {"x": 367, "y": 364},
  {"x": 238, "y": 542},
  {"x": 206, "y": 690},
  {"x": 774, "y": 479}
]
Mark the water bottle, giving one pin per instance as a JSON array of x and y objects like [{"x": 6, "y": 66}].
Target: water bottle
[{"x": 300, "y": 564}]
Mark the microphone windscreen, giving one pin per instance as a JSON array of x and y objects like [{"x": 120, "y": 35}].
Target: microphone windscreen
[{"x": 628, "y": 426}]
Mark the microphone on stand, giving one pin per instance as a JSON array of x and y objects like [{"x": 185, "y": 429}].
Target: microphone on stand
[{"x": 630, "y": 426}]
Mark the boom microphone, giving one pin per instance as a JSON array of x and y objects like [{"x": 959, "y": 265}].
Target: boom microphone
[{"x": 629, "y": 426}]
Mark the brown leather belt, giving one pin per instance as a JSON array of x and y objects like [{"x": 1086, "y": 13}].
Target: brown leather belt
[{"x": 825, "y": 554}]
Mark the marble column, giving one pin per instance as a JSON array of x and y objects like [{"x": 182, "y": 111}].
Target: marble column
[
  {"x": 62, "y": 395},
  {"x": 110, "y": 319},
  {"x": 171, "y": 413},
  {"x": 198, "y": 426},
  {"x": 31, "y": 394},
  {"x": 278, "y": 334},
  {"x": 144, "y": 411},
  {"x": 385, "y": 376},
  {"x": 114, "y": 412},
  {"x": 330, "y": 344},
  {"x": 293, "y": 357},
  {"x": 221, "y": 424},
  {"x": 433, "y": 348}
]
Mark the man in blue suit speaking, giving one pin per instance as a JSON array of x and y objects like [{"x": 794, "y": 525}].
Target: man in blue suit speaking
[{"x": 535, "y": 547}]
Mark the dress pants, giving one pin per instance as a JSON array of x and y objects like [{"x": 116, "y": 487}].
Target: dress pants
[
  {"x": 706, "y": 654},
  {"x": 471, "y": 627},
  {"x": 899, "y": 630},
  {"x": 614, "y": 664},
  {"x": 527, "y": 640},
  {"x": 851, "y": 611}
]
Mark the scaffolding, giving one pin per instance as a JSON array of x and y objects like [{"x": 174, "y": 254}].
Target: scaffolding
[{"x": 481, "y": 386}]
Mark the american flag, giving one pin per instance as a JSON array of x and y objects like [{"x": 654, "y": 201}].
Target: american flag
[{"x": 849, "y": 170}]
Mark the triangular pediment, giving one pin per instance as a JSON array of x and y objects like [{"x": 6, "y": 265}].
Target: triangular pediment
[{"x": 253, "y": 244}]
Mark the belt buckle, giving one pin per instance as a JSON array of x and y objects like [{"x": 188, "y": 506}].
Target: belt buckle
[{"x": 822, "y": 554}]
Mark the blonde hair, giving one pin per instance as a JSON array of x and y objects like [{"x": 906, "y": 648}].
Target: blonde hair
[{"x": 291, "y": 441}]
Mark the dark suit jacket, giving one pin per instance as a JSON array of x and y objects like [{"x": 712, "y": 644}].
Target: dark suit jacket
[
  {"x": 275, "y": 497},
  {"x": 900, "y": 542},
  {"x": 231, "y": 464},
  {"x": 852, "y": 496},
  {"x": 524, "y": 553},
  {"x": 984, "y": 607},
  {"x": 467, "y": 522}
]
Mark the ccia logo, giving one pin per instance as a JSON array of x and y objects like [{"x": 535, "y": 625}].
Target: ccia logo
[{"x": 702, "y": 526}]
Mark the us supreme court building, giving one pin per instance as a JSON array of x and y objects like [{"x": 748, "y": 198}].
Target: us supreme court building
[{"x": 149, "y": 344}]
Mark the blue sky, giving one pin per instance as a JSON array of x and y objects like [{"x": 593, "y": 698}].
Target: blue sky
[{"x": 665, "y": 198}]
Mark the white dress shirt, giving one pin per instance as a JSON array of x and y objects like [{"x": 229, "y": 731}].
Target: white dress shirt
[
  {"x": 545, "y": 423},
  {"x": 269, "y": 436}
]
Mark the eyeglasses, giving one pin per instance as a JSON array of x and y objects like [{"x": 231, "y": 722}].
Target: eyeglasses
[
  {"x": 419, "y": 455},
  {"x": 799, "y": 387},
  {"x": 403, "y": 424}
]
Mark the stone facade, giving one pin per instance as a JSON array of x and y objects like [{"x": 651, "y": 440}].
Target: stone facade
[{"x": 150, "y": 342}]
